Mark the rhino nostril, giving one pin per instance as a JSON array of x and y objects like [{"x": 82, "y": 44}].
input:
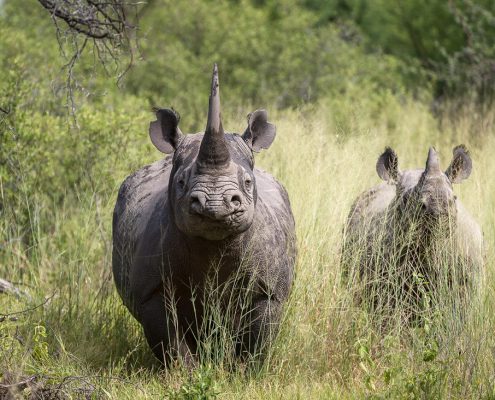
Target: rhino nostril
[
  {"x": 197, "y": 201},
  {"x": 233, "y": 200}
]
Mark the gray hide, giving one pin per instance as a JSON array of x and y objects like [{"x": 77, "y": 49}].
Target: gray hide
[
  {"x": 201, "y": 222},
  {"x": 399, "y": 232}
]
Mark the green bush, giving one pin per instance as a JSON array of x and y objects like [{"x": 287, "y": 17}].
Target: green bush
[{"x": 266, "y": 56}]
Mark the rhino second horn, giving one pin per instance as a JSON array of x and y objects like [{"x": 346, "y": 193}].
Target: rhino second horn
[
  {"x": 213, "y": 152},
  {"x": 433, "y": 162}
]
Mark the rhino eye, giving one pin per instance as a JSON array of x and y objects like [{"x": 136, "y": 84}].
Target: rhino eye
[
  {"x": 181, "y": 182},
  {"x": 248, "y": 181}
]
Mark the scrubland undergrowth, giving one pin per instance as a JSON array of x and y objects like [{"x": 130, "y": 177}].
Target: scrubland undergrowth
[{"x": 78, "y": 338}]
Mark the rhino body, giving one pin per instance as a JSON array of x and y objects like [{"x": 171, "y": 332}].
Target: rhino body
[
  {"x": 204, "y": 220},
  {"x": 412, "y": 233}
]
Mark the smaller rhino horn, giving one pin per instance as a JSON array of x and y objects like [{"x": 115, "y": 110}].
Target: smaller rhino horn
[{"x": 433, "y": 162}]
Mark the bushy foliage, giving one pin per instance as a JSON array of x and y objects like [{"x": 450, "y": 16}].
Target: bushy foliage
[
  {"x": 468, "y": 72},
  {"x": 43, "y": 147},
  {"x": 452, "y": 41},
  {"x": 267, "y": 55}
]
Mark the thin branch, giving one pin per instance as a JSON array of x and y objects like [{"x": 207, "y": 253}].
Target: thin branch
[
  {"x": 91, "y": 18},
  {"x": 3, "y": 316},
  {"x": 99, "y": 26},
  {"x": 21, "y": 384}
]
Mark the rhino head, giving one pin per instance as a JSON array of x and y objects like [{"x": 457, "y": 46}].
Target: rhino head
[
  {"x": 212, "y": 187},
  {"x": 426, "y": 195}
]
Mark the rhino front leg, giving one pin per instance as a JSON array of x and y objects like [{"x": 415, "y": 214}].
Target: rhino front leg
[
  {"x": 164, "y": 332},
  {"x": 260, "y": 327}
]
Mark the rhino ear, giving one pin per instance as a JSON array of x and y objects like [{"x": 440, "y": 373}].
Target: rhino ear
[
  {"x": 164, "y": 132},
  {"x": 387, "y": 165},
  {"x": 260, "y": 133},
  {"x": 461, "y": 165}
]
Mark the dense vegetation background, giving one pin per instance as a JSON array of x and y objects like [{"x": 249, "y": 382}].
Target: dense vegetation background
[{"x": 341, "y": 79}]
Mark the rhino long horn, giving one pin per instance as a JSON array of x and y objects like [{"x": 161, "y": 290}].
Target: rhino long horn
[
  {"x": 213, "y": 152},
  {"x": 433, "y": 162}
]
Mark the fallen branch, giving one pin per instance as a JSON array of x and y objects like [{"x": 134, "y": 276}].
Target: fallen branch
[
  {"x": 21, "y": 385},
  {"x": 3, "y": 316},
  {"x": 9, "y": 288}
]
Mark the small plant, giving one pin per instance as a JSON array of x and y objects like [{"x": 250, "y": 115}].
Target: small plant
[
  {"x": 40, "y": 346},
  {"x": 366, "y": 363},
  {"x": 199, "y": 386}
]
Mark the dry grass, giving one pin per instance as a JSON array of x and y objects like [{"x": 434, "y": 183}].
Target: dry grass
[{"x": 327, "y": 347}]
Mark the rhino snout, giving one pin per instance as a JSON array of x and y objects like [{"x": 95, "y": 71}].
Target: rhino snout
[{"x": 215, "y": 207}]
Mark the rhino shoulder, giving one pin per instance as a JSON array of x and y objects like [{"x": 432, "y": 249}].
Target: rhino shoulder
[
  {"x": 138, "y": 197},
  {"x": 371, "y": 204},
  {"x": 271, "y": 191},
  {"x": 141, "y": 185},
  {"x": 274, "y": 209}
]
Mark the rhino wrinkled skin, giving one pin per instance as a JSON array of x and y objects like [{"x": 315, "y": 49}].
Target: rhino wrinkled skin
[
  {"x": 205, "y": 211},
  {"x": 404, "y": 224}
]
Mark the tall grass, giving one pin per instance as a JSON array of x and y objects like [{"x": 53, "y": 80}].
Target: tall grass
[{"x": 77, "y": 337}]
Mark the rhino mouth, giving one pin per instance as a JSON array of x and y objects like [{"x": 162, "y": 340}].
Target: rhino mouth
[
  {"x": 217, "y": 226},
  {"x": 219, "y": 219}
]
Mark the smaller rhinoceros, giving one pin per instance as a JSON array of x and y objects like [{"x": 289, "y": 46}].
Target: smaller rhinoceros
[
  {"x": 203, "y": 238},
  {"x": 411, "y": 235}
]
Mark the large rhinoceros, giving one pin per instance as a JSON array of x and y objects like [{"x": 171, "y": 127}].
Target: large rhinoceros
[
  {"x": 411, "y": 235},
  {"x": 202, "y": 221}
]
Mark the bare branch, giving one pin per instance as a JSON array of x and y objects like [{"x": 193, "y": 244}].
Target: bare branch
[
  {"x": 21, "y": 384},
  {"x": 95, "y": 19},
  {"x": 7, "y": 287},
  {"x": 100, "y": 27}
]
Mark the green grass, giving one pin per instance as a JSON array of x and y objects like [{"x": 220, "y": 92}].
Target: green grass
[{"x": 78, "y": 338}]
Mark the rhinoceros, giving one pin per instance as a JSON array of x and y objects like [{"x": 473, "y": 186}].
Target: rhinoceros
[
  {"x": 411, "y": 235},
  {"x": 199, "y": 221}
]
